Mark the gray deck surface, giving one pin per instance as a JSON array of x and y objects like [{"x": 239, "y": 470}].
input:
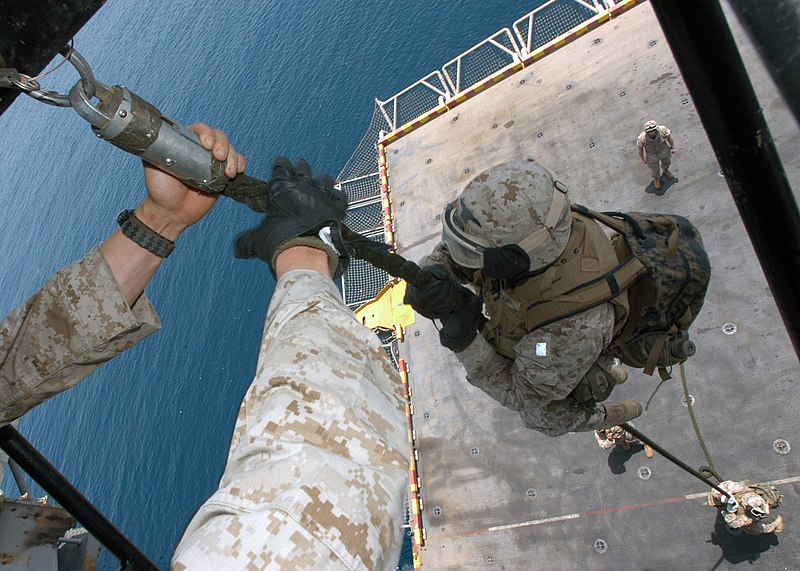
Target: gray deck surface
[{"x": 477, "y": 462}]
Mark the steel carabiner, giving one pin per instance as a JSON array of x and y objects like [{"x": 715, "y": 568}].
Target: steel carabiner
[{"x": 31, "y": 86}]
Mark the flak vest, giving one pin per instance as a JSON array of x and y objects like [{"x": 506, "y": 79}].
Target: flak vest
[
  {"x": 656, "y": 146},
  {"x": 587, "y": 274}
]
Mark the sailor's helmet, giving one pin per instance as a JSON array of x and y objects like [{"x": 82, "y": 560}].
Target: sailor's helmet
[
  {"x": 650, "y": 126},
  {"x": 519, "y": 204}
]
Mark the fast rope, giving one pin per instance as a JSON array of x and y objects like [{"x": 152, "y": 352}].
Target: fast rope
[
  {"x": 687, "y": 398},
  {"x": 628, "y": 428},
  {"x": 134, "y": 125},
  {"x": 381, "y": 256}
]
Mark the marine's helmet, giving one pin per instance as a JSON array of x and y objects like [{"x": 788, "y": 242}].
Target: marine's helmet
[
  {"x": 511, "y": 219},
  {"x": 650, "y": 126},
  {"x": 755, "y": 505}
]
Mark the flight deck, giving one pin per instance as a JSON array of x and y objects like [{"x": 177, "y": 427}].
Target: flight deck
[{"x": 495, "y": 495}]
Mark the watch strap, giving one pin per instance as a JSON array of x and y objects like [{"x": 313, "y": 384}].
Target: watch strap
[{"x": 143, "y": 235}]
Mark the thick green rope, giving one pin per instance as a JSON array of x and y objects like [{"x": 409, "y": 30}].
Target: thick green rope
[
  {"x": 628, "y": 428},
  {"x": 254, "y": 194},
  {"x": 711, "y": 470}
]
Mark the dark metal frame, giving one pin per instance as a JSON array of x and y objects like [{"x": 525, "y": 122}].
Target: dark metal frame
[
  {"x": 55, "y": 484},
  {"x": 706, "y": 54}
]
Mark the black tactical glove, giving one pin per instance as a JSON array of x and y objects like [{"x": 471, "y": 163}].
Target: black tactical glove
[
  {"x": 460, "y": 327},
  {"x": 303, "y": 211},
  {"x": 436, "y": 299}
]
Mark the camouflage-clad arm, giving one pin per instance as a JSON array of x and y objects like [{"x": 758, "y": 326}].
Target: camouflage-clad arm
[
  {"x": 553, "y": 359},
  {"x": 317, "y": 470},
  {"x": 77, "y": 321},
  {"x": 490, "y": 372},
  {"x": 549, "y": 364}
]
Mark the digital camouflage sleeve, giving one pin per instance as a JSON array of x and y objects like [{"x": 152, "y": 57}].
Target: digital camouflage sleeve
[
  {"x": 317, "y": 469},
  {"x": 76, "y": 322}
]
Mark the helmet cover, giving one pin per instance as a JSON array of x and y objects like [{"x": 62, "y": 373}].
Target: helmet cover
[{"x": 519, "y": 202}]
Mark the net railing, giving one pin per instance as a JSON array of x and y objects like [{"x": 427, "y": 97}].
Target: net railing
[
  {"x": 366, "y": 217},
  {"x": 360, "y": 177},
  {"x": 492, "y": 55},
  {"x": 362, "y": 188},
  {"x": 364, "y": 160},
  {"x": 362, "y": 281},
  {"x": 543, "y": 24},
  {"x": 550, "y": 20},
  {"x": 414, "y": 100}
]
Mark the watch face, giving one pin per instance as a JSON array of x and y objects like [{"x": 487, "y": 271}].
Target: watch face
[{"x": 123, "y": 216}]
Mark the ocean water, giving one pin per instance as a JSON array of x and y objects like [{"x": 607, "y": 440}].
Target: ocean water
[{"x": 145, "y": 437}]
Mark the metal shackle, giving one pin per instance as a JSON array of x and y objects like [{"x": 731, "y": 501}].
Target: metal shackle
[
  {"x": 136, "y": 126},
  {"x": 87, "y": 81}
]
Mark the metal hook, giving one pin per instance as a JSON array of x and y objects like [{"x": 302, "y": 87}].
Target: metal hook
[{"x": 87, "y": 81}]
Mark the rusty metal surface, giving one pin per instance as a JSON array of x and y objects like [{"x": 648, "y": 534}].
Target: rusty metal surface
[{"x": 29, "y": 533}]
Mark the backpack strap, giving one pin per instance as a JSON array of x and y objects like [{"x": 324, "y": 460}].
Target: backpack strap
[
  {"x": 606, "y": 218},
  {"x": 601, "y": 289},
  {"x": 613, "y": 219}
]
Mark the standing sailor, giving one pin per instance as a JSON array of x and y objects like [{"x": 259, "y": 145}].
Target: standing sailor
[{"x": 656, "y": 147}]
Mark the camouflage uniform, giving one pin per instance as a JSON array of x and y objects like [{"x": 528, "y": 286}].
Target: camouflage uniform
[
  {"x": 550, "y": 362},
  {"x": 753, "y": 511},
  {"x": 608, "y": 437},
  {"x": 657, "y": 151},
  {"x": 316, "y": 471},
  {"x": 75, "y": 323}
]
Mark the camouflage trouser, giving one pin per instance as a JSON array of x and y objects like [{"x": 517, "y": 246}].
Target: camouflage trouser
[
  {"x": 662, "y": 162},
  {"x": 318, "y": 460}
]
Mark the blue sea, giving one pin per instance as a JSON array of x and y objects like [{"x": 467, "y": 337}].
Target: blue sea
[{"x": 145, "y": 438}]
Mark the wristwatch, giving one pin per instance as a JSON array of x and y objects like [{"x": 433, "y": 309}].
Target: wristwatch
[{"x": 143, "y": 235}]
